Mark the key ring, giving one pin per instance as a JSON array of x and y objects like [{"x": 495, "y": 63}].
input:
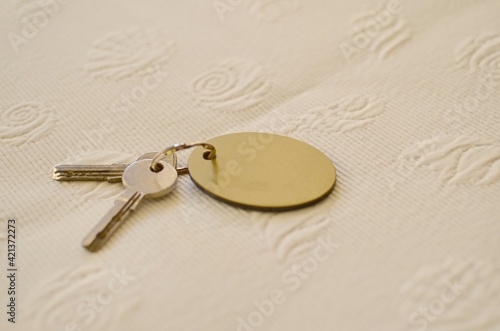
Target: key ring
[{"x": 209, "y": 155}]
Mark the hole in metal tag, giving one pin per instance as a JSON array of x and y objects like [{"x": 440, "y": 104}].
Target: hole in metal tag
[{"x": 263, "y": 171}]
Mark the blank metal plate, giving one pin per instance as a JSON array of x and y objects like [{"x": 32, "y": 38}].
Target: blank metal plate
[{"x": 263, "y": 171}]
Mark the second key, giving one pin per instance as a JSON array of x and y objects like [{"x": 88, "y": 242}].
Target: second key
[{"x": 140, "y": 182}]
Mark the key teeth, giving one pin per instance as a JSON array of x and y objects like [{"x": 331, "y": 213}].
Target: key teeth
[
  {"x": 93, "y": 244},
  {"x": 56, "y": 174},
  {"x": 61, "y": 173},
  {"x": 91, "y": 247}
]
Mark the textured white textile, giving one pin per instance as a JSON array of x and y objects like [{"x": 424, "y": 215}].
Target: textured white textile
[{"x": 403, "y": 96}]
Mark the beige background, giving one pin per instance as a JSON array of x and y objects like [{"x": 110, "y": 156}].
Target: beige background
[{"x": 402, "y": 96}]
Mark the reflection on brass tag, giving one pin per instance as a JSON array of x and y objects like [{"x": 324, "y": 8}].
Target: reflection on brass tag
[{"x": 263, "y": 171}]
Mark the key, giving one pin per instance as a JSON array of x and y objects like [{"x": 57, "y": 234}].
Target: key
[
  {"x": 111, "y": 173},
  {"x": 140, "y": 182}
]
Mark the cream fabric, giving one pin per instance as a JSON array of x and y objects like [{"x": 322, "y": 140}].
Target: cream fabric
[{"x": 403, "y": 96}]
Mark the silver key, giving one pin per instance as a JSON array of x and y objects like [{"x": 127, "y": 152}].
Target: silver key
[
  {"x": 111, "y": 173},
  {"x": 140, "y": 182}
]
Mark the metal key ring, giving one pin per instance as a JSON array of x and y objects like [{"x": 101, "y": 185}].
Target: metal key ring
[{"x": 210, "y": 155}]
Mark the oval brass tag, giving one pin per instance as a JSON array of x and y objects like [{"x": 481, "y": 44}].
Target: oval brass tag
[{"x": 263, "y": 171}]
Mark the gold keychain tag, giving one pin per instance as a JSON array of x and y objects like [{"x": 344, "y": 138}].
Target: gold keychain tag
[{"x": 263, "y": 171}]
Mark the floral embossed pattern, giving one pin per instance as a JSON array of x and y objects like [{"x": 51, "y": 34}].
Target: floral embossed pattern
[
  {"x": 25, "y": 123},
  {"x": 292, "y": 239},
  {"x": 272, "y": 10},
  {"x": 234, "y": 84},
  {"x": 350, "y": 113},
  {"x": 134, "y": 52},
  {"x": 83, "y": 298},
  {"x": 481, "y": 53},
  {"x": 454, "y": 296},
  {"x": 34, "y": 11},
  {"x": 456, "y": 160},
  {"x": 380, "y": 31}
]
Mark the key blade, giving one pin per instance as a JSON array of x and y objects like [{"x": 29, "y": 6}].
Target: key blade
[
  {"x": 111, "y": 173},
  {"x": 140, "y": 182},
  {"x": 126, "y": 203},
  {"x": 68, "y": 172}
]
